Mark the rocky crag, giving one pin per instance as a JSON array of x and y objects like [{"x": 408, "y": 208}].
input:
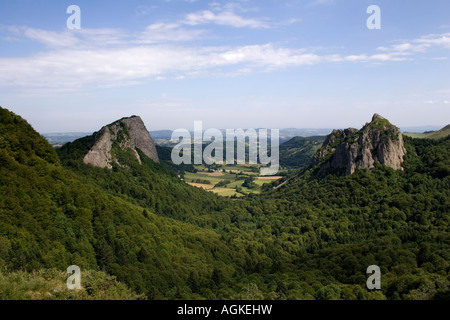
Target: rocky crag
[
  {"x": 126, "y": 133},
  {"x": 351, "y": 149}
]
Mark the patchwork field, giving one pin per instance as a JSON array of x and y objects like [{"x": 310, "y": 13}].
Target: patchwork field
[
  {"x": 202, "y": 185},
  {"x": 230, "y": 181},
  {"x": 414, "y": 134}
]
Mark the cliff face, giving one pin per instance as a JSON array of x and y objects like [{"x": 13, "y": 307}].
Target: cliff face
[
  {"x": 351, "y": 149},
  {"x": 127, "y": 133}
]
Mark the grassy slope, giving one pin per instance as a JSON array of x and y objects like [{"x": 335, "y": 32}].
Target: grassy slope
[
  {"x": 416, "y": 135},
  {"x": 444, "y": 132},
  {"x": 440, "y": 134}
]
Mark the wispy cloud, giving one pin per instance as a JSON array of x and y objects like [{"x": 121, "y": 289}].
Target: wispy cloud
[
  {"x": 70, "y": 38},
  {"x": 226, "y": 18},
  {"x": 52, "y": 38},
  {"x": 143, "y": 10},
  {"x": 228, "y": 14},
  {"x": 75, "y": 68},
  {"x": 442, "y": 40},
  {"x": 168, "y": 32},
  {"x": 320, "y": 2},
  {"x": 421, "y": 44},
  {"x": 111, "y": 57}
]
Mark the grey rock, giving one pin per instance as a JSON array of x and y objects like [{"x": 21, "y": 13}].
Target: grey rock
[
  {"x": 130, "y": 133},
  {"x": 351, "y": 149}
]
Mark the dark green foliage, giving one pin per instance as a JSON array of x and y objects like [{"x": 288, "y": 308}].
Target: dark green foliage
[
  {"x": 18, "y": 141},
  {"x": 223, "y": 183},
  {"x": 165, "y": 158},
  {"x": 150, "y": 185},
  {"x": 297, "y": 152},
  {"x": 201, "y": 181},
  {"x": 249, "y": 182},
  {"x": 72, "y": 152},
  {"x": 49, "y": 218},
  {"x": 312, "y": 238}
]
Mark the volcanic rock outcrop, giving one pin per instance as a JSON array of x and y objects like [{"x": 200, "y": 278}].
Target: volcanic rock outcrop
[
  {"x": 351, "y": 149},
  {"x": 126, "y": 133}
]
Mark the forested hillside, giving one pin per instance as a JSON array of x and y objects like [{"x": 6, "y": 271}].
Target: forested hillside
[
  {"x": 50, "y": 218},
  {"x": 312, "y": 238},
  {"x": 297, "y": 152}
]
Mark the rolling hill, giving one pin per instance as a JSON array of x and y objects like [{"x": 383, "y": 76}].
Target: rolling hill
[{"x": 442, "y": 133}]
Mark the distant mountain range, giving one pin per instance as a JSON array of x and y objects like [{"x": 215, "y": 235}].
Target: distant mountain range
[
  {"x": 64, "y": 137},
  {"x": 162, "y": 136}
]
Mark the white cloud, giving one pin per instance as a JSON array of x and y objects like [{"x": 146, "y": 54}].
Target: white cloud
[
  {"x": 357, "y": 58},
  {"x": 109, "y": 57},
  {"x": 417, "y": 45},
  {"x": 320, "y": 2},
  {"x": 103, "y": 37},
  {"x": 75, "y": 68},
  {"x": 227, "y": 18},
  {"x": 95, "y": 38},
  {"x": 165, "y": 32},
  {"x": 71, "y": 38},
  {"x": 52, "y": 38},
  {"x": 386, "y": 57},
  {"x": 442, "y": 40}
]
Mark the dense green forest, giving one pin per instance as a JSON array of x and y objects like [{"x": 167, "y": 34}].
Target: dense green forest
[
  {"x": 298, "y": 151},
  {"x": 158, "y": 238}
]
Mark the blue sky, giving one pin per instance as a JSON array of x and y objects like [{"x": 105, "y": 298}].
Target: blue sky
[{"x": 230, "y": 64}]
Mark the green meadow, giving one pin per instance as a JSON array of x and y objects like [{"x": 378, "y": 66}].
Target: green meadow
[{"x": 230, "y": 180}]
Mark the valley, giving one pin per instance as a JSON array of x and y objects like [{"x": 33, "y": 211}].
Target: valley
[
  {"x": 140, "y": 232},
  {"x": 193, "y": 154}
]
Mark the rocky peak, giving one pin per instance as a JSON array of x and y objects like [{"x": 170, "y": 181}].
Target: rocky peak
[
  {"x": 376, "y": 117},
  {"x": 351, "y": 149},
  {"x": 126, "y": 133}
]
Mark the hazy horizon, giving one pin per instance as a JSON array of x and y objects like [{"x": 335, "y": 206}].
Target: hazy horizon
[{"x": 403, "y": 129}]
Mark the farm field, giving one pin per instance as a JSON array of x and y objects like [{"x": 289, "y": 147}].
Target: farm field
[
  {"x": 229, "y": 181},
  {"x": 414, "y": 134}
]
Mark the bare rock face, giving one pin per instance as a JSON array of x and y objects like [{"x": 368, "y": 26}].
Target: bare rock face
[
  {"x": 100, "y": 153},
  {"x": 127, "y": 133},
  {"x": 351, "y": 149}
]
